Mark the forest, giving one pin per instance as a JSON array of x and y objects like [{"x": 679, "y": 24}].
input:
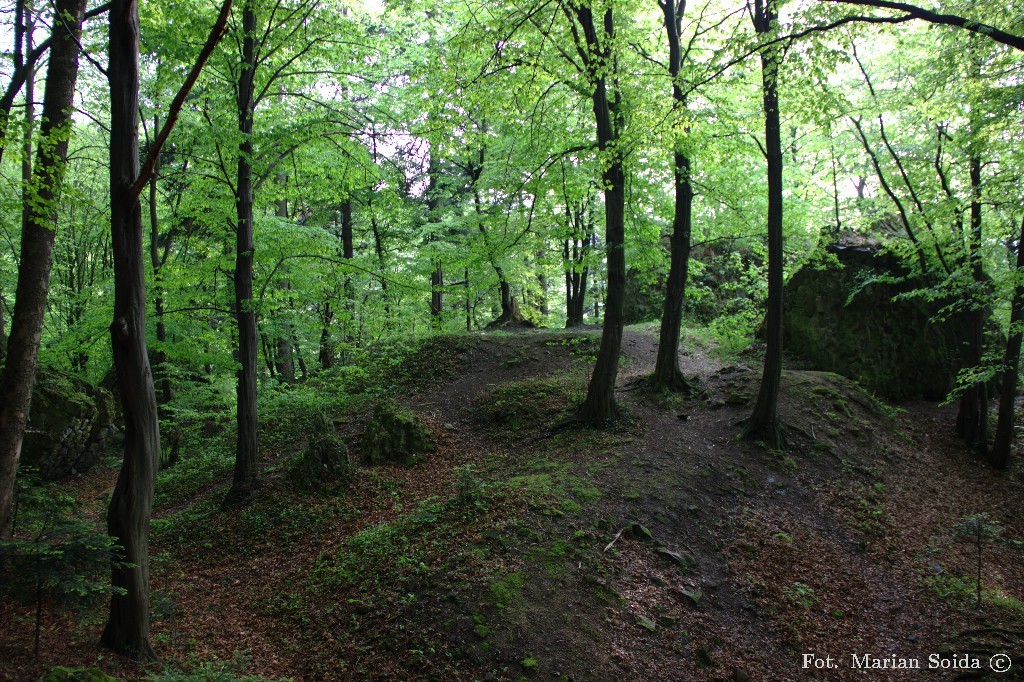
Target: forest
[{"x": 511, "y": 340}]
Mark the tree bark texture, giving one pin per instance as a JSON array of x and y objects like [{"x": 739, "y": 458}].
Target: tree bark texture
[
  {"x": 127, "y": 630},
  {"x": 157, "y": 261},
  {"x": 245, "y": 479},
  {"x": 575, "y": 251},
  {"x": 600, "y": 405},
  {"x": 972, "y": 419},
  {"x": 764, "y": 422},
  {"x": 38, "y": 229},
  {"x": 667, "y": 375}
]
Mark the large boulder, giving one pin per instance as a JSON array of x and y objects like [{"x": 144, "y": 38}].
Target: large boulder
[
  {"x": 322, "y": 467},
  {"x": 69, "y": 425},
  {"x": 893, "y": 348},
  {"x": 395, "y": 434}
]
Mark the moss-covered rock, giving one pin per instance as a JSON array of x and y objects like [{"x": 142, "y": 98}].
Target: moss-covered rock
[
  {"x": 892, "y": 348},
  {"x": 395, "y": 434},
  {"x": 644, "y": 298},
  {"x": 69, "y": 424},
  {"x": 322, "y": 467}
]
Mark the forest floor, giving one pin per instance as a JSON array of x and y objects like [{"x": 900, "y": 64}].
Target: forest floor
[{"x": 663, "y": 547}]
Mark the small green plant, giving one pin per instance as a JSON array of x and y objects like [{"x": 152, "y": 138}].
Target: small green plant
[
  {"x": 211, "y": 671},
  {"x": 508, "y": 590},
  {"x": 469, "y": 486},
  {"x": 800, "y": 594},
  {"x": 55, "y": 556},
  {"x": 978, "y": 529}
]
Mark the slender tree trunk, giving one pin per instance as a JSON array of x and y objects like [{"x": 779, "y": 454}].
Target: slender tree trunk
[
  {"x": 3, "y": 332},
  {"x": 38, "y": 228},
  {"x": 245, "y": 480},
  {"x": 437, "y": 276},
  {"x": 999, "y": 455},
  {"x": 764, "y": 422},
  {"x": 542, "y": 281},
  {"x": 576, "y": 251},
  {"x": 284, "y": 361},
  {"x": 30, "y": 104},
  {"x": 328, "y": 347},
  {"x": 158, "y": 281},
  {"x": 436, "y": 295},
  {"x": 469, "y": 309},
  {"x": 972, "y": 420},
  {"x": 326, "y": 355},
  {"x": 348, "y": 252},
  {"x": 570, "y": 290},
  {"x": 600, "y": 405},
  {"x": 127, "y": 630},
  {"x": 667, "y": 375}
]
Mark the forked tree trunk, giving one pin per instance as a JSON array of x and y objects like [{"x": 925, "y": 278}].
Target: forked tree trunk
[
  {"x": 575, "y": 252},
  {"x": 127, "y": 630},
  {"x": 38, "y": 229},
  {"x": 999, "y": 455},
  {"x": 667, "y": 375},
  {"x": 245, "y": 480},
  {"x": 764, "y": 422}
]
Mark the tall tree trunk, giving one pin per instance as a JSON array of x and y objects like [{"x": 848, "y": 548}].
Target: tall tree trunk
[
  {"x": 245, "y": 479},
  {"x": 326, "y": 354},
  {"x": 328, "y": 346},
  {"x": 469, "y": 306},
  {"x": 284, "y": 361},
  {"x": 667, "y": 375},
  {"x": 999, "y": 455},
  {"x": 157, "y": 263},
  {"x": 30, "y": 104},
  {"x": 972, "y": 419},
  {"x": 575, "y": 252},
  {"x": 127, "y": 630},
  {"x": 545, "y": 286},
  {"x": 348, "y": 252},
  {"x": 378, "y": 247},
  {"x": 3, "y": 332},
  {"x": 436, "y": 295},
  {"x": 38, "y": 228},
  {"x": 437, "y": 276},
  {"x": 764, "y": 422},
  {"x": 600, "y": 405}
]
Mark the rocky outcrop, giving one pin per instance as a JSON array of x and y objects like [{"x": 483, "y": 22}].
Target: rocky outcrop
[
  {"x": 70, "y": 423},
  {"x": 841, "y": 317},
  {"x": 395, "y": 434}
]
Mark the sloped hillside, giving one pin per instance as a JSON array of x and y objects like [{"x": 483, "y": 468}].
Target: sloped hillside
[{"x": 662, "y": 547}]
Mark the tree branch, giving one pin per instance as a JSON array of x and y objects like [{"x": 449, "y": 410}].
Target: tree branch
[
  {"x": 915, "y": 12},
  {"x": 148, "y": 168}
]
